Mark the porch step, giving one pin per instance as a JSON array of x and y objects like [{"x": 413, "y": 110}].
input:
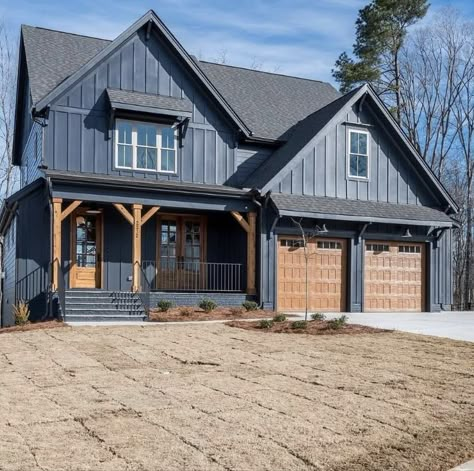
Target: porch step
[{"x": 103, "y": 306}]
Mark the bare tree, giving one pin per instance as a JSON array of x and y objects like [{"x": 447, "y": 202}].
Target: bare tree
[{"x": 8, "y": 174}]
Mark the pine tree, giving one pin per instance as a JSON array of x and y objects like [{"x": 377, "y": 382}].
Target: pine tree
[{"x": 381, "y": 28}]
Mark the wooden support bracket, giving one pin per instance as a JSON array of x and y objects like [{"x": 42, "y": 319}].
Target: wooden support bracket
[
  {"x": 70, "y": 209},
  {"x": 149, "y": 214},
  {"x": 124, "y": 212},
  {"x": 241, "y": 220}
]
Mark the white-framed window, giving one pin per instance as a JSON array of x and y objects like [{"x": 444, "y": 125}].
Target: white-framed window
[
  {"x": 358, "y": 154},
  {"x": 145, "y": 146}
]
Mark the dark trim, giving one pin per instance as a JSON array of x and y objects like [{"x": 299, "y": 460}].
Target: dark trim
[
  {"x": 149, "y": 109},
  {"x": 19, "y": 99}
]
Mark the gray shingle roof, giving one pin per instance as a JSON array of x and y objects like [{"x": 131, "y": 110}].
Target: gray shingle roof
[
  {"x": 122, "y": 98},
  {"x": 269, "y": 104},
  {"x": 300, "y": 135},
  {"x": 361, "y": 210},
  {"x": 52, "y": 56}
]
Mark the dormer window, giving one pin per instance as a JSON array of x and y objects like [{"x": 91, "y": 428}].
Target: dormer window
[
  {"x": 145, "y": 146},
  {"x": 358, "y": 154}
]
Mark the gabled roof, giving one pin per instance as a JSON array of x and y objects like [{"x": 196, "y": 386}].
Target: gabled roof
[
  {"x": 306, "y": 133},
  {"x": 270, "y": 104},
  {"x": 266, "y": 104},
  {"x": 357, "y": 210}
]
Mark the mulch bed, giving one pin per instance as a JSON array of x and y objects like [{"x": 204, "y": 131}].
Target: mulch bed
[
  {"x": 312, "y": 328},
  {"x": 221, "y": 313},
  {"x": 32, "y": 326}
]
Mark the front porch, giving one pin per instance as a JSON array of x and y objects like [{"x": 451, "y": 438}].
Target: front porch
[{"x": 148, "y": 252}]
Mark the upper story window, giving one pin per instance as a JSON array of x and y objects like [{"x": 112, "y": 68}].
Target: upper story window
[
  {"x": 358, "y": 154},
  {"x": 145, "y": 146}
]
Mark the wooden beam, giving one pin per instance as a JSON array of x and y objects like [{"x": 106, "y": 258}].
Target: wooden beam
[
  {"x": 149, "y": 214},
  {"x": 70, "y": 209},
  {"x": 251, "y": 252},
  {"x": 123, "y": 211},
  {"x": 241, "y": 220},
  {"x": 56, "y": 262},
  {"x": 137, "y": 246}
]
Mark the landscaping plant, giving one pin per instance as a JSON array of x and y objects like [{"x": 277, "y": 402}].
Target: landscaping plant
[
  {"x": 250, "y": 305},
  {"x": 164, "y": 305},
  {"x": 338, "y": 322},
  {"x": 279, "y": 318},
  {"x": 266, "y": 324},
  {"x": 299, "y": 325},
  {"x": 318, "y": 316},
  {"x": 22, "y": 312},
  {"x": 207, "y": 305}
]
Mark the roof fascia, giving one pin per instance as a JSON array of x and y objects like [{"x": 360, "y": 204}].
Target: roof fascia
[
  {"x": 121, "y": 39},
  {"x": 296, "y": 158},
  {"x": 18, "y": 101}
]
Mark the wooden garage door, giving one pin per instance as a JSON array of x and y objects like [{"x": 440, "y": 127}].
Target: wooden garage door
[
  {"x": 394, "y": 276},
  {"x": 326, "y": 275}
]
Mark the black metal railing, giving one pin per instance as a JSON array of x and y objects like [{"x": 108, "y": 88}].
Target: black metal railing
[
  {"x": 144, "y": 293},
  {"x": 170, "y": 275}
]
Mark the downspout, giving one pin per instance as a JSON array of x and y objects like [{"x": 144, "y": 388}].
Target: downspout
[{"x": 50, "y": 203}]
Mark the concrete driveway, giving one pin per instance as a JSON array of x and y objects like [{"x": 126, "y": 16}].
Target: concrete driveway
[{"x": 453, "y": 325}]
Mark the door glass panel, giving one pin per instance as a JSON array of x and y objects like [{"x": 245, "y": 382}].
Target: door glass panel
[
  {"x": 168, "y": 244},
  {"x": 192, "y": 249},
  {"x": 86, "y": 241}
]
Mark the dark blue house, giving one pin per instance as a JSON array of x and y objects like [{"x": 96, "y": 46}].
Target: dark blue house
[{"x": 147, "y": 174}]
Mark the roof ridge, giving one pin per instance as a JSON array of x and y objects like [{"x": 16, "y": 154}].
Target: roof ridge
[
  {"x": 67, "y": 32},
  {"x": 263, "y": 71}
]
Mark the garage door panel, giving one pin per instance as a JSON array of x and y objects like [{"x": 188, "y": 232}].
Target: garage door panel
[
  {"x": 326, "y": 275},
  {"x": 394, "y": 278}
]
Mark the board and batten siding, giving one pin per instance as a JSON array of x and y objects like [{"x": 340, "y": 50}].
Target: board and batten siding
[
  {"x": 441, "y": 280},
  {"x": 32, "y": 156},
  {"x": 78, "y": 137},
  {"x": 9, "y": 280},
  {"x": 322, "y": 171},
  {"x": 248, "y": 159}
]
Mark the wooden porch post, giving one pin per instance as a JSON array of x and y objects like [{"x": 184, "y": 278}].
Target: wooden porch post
[
  {"x": 250, "y": 228},
  {"x": 56, "y": 236},
  {"x": 137, "y": 245}
]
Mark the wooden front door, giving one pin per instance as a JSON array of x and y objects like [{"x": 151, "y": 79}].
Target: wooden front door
[
  {"x": 326, "y": 275},
  {"x": 181, "y": 249},
  {"x": 86, "y": 250},
  {"x": 394, "y": 278}
]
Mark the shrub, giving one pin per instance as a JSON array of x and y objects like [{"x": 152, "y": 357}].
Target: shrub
[
  {"x": 279, "y": 318},
  {"x": 318, "y": 316},
  {"x": 266, "y": 324},
  {"x": 299, "y": 325},
  {"x": 186, "y": 311},
  {"x": 164, "y": 305},
  {"x": 22, "y": 312},
  {"x": 207, "y": 304},
  {"x": 337, "y": 323},
  {"x": 250, "y": 305}
]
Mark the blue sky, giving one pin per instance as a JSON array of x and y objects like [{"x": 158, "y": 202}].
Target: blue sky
[{"x": 295, "y": 37}]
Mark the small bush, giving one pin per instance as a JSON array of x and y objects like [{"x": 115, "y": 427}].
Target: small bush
[
  {"x": 318, "y": 316},
  {"x": 279, "y": 318},
  {"x": 207, "y": 305},
  {"x": 22, "y": 312},
  {"x": 186, "y": 311},
  {"x": 299, "y": 325},
  {"x": 266, "y": 324},
  {"x": 337, "y": 323},
  {"x": 235, "y": 311},
  {"x": 164, "y": 305},
  {"x": 250, "y": 305}
]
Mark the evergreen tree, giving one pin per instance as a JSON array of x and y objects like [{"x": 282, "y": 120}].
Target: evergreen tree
[{"x": 381, "y": 28}]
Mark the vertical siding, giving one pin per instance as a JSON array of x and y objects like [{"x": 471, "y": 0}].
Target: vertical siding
[
  {"x": 441, "y": 273},
  {"x": 247, "y": 160},
  {"x": 323, "y": 169},
  {"x": 32, "y": 156},
  {"x": 9, "y": 281},
  {"x": 78, "y": 136}
]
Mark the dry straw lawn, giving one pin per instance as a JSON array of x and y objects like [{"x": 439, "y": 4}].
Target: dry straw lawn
[{"x": 212, "y": 397}]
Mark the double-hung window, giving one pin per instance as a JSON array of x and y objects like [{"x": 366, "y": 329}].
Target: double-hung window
[
  {"x": 358, "y": 155},
  {"x": 145, "y": 146}
]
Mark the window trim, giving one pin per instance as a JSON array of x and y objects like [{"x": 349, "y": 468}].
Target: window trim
[
  {"x": 348, "y": 154},
  {"x": 134, "y": 146}
]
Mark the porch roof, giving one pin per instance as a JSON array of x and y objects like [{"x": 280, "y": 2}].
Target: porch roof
[
  {"x": 357, "y": 210},
  {"x": 168, "y": 194}
]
